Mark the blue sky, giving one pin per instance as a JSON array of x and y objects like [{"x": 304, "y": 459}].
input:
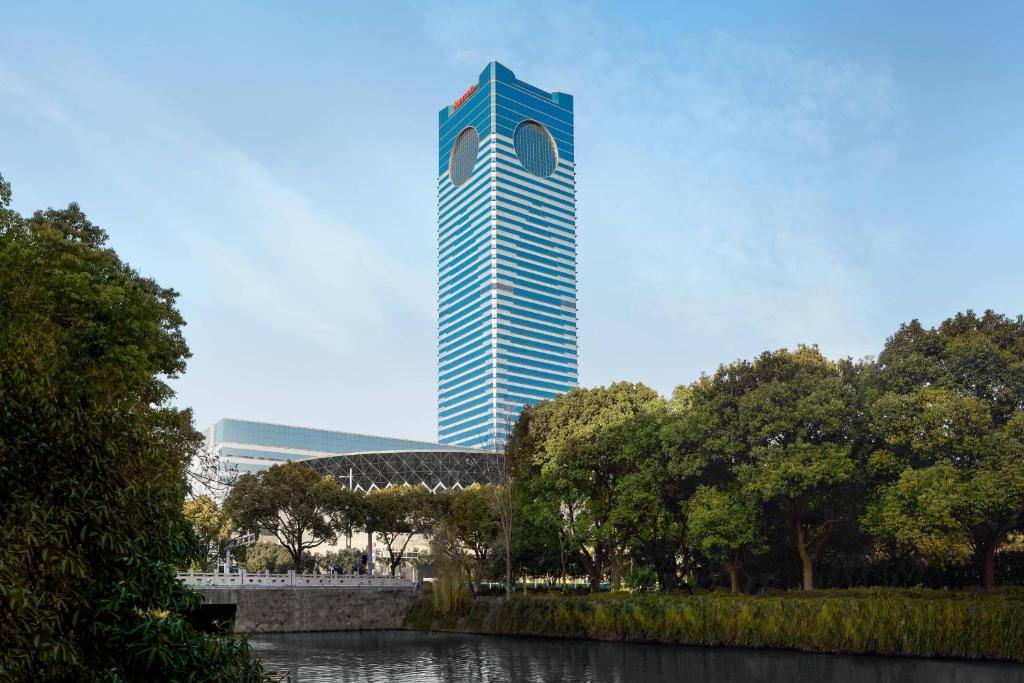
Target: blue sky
[{"x": 750, "y": 176}]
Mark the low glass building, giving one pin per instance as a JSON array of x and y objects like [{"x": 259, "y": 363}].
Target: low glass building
[{"x": 359, "y": 461}]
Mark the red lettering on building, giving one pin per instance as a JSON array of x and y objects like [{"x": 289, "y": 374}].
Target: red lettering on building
[{"x": 465, "y": 96}]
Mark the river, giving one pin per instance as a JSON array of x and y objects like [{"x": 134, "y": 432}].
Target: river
[{"x": 399, "y": 656}]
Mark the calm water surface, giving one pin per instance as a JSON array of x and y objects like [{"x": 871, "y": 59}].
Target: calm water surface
[{"x": 379, "y": 656}]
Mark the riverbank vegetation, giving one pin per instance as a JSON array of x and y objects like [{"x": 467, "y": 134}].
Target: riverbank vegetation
[
  {"x": 93, "y": 466},
  {"x": 790, "y": 470},
  {"x": 917, "y": 622},
  {"x": 304, "y": 511}
]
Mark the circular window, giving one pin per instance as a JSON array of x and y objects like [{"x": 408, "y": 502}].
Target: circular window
[
  {"x": 536, "y": 148},
  {"x": 463, "y": 159}
]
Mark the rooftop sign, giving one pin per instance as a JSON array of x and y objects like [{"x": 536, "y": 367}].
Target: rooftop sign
[{"x": 465, "y": 96}]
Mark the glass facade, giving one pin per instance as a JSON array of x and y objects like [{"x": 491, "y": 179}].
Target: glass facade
[
  {"x": 506, "y": 256},
  {"x": 463, "y": 161},
  {"x": 367, "y": 461},
  {"x": 536, "y": 149}
]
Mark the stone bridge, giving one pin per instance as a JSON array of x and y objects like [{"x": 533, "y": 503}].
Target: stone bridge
[{"x": 279, "y": 603}]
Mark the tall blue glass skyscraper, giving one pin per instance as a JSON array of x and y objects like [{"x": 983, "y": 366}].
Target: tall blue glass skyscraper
[{"x": 507, "y": 256}]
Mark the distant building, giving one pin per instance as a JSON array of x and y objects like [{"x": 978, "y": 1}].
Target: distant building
[
  {"x": 358, "y": 460},
  {"x": 507, "y": 256}
]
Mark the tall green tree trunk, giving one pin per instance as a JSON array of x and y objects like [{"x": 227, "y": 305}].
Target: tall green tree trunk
[
  {"x": 808, "y": 583},
  {"x": 596, "y": 569},
  {"x": 297, "y": 555},
  {"x": 667, "y": 578},
  {"x": 988, "y": 566},
  {"x": 615, "y": 571},
  {"x": 734, "y": 575},
  {"x": 805, "y": 557}
]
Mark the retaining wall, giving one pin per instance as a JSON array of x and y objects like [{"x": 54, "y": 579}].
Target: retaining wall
[{"x": 284, "y": 610}]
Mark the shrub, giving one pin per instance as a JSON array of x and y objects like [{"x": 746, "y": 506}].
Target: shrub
[
  {"x": 927, "y": 623},
  {"x": 93, "y": 461},
  {"x": 451, "y": 590},
  {"x": 642, "y": 580},
  {"x": 267, "y": 556}
]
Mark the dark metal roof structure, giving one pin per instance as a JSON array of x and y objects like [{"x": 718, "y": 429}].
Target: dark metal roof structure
[{"x": 433, "y": 469}]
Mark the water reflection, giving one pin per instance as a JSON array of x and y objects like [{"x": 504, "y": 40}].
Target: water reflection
[{"x": 399, "y": 656}]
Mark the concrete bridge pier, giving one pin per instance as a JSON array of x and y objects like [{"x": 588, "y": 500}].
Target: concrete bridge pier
[{"x": 283, "y": 610}]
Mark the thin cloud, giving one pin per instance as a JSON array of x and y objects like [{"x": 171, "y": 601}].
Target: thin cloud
[
  {"x": 17, "y": 92},
  {"x": 259, "y": 245},
  {"x": 726, "y": 156}
]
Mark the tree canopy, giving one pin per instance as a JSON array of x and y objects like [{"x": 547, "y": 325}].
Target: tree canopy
[
  {"x": 722, "y": 525},
  {"x": 788, "y": 462},
  {"x": 949, "y": 422},
  {"x": 292, "y": 503},
  {"x": 92, "y": 464},
  {"x": 211, "y": 525},
  {"x": 789, "y": 469},
  {"x": 396, "y": 514},
  {"x": 472, "y": 521},
  {"x": 576, "y": 466}
]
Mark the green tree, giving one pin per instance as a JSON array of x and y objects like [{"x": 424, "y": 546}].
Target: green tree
[
  {"x": 572, "y": 444},
  {"x": 723, "y": 525},
  {"x": 5, "y": 199},
  {"x": 647, "y": 513},
  {"x": 453, "y": 573},
  {"x": 787, "y": 427},
  {"x": 343, "y": 558},
  {"x": 398, "y": 513},
  {"x": 291, "y": 502},
  {"x": 264, "y": 556},
  {"x": 92, "y": 465},
  {"x": 350, "y": 510},
  {"x": 535, "y": 541},
  {"x": 949, "y": 423},
  {"x": 507, "y": 491},
  {"x": 210, "y": 524},
  {"x": 470, "y": 518}
]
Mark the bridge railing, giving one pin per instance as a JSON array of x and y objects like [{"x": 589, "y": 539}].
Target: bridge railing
[{"x": 292, "y": 579}]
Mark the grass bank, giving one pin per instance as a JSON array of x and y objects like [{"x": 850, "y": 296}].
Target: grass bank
[{"x": 921, "y": 623}]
